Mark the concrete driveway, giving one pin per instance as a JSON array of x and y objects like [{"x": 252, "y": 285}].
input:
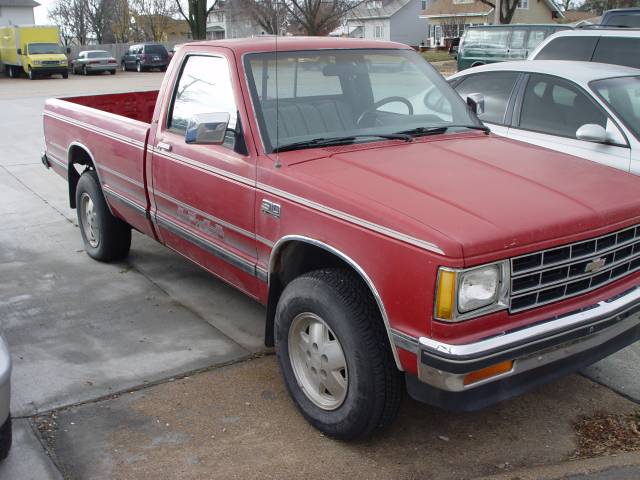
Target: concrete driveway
[{"x": 85, "y": 334}]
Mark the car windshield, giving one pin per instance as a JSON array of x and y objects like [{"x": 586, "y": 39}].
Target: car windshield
[
  {"x": 625, "y": 20},
  {"x": 44, "y": 48},
  {"x": 622, "y": 94},
  {"x": 356, "y": 95},
  {"x": 98, "y": 54}
]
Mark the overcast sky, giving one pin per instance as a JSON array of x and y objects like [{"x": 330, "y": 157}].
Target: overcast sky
[{"x": 41, "y": 12}]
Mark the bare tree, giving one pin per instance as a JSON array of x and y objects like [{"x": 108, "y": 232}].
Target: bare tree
[
  {"x": 99, "y": 14},
  {"x": 71, "y": 16},
  {"x": 269, "y": 14},
  {"x": 153, "y": 17},
  {"x": 196, "y": 16},
  {"x": 122, "y": 26},
  {"x": 319, "y": 17},
  {"x": 507, "y": 9}
]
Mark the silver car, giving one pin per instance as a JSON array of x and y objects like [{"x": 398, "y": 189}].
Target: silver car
[
  {"x": 5, "y": 395},
  {"x": 590, "y": 110},
  {"x": 94, "y": 61}
]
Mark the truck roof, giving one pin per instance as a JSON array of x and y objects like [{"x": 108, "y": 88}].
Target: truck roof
[{"x": 266, "y": 43}]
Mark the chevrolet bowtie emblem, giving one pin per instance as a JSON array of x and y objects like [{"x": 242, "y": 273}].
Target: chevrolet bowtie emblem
[{"x": 594, "y": 265}]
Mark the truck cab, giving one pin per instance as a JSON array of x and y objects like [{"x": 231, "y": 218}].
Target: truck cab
[{"x": 33, "y": 50}]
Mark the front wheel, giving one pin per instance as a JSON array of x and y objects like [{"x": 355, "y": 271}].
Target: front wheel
[
  {"x": 5, "y": 438},
  {"x": 32, "y": 75},
  {"x": 335, "y": 356},
  {"x": 65, "y": 75},
  {"x": 138, "y": 67},
  {"x": 106, "y": 238},
  {"x": 123, "y": 66}
]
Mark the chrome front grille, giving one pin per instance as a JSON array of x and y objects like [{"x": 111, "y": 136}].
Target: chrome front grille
[
  {"x": 50, "y": 62},
  {"x": 558, "y": 273}
]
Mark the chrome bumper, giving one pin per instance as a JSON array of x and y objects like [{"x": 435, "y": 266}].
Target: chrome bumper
[
  {"x": 5, "y": 380},
  {"x": 568, "y": 342}
]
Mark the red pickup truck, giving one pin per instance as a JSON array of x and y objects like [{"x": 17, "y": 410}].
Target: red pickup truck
[{"x": 396, "y": 243}]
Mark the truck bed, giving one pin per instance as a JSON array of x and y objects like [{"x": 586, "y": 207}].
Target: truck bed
[
  {"x": 136, "y": 106},
  {"x": 114, "y": 129}
]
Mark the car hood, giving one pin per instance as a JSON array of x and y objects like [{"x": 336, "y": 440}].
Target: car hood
[{"x": 484, "y": 193}]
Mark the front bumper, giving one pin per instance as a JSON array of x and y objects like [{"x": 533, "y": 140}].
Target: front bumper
[
  {"x": 5, "y": 380},
  {"x": 540, "y": 353},
  {"x": 52, "y": 70}
]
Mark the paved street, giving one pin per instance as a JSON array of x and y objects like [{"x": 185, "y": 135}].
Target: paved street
[{"x": 151, "y": 368}]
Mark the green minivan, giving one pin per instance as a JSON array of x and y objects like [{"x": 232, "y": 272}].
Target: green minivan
[{"x": 500, "y": 43}]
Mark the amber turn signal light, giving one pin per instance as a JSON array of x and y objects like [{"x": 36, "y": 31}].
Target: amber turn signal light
[
  {"x": 445, "y": 300},
  {"x": 488, "y": 372}
]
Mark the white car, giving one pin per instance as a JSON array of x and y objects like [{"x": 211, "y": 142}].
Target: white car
[
  {"x": 590, "y": 110},
  {"x": 619, "y": 46}
]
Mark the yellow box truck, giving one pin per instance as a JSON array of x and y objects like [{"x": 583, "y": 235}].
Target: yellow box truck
[{"x": 32, "y": 49}]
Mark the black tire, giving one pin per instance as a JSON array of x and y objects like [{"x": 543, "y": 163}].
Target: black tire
[
  {"x": 114, "y": 235},
  {"x": 32, "y": 74},
  {"x": 10, "y": 72},
  {"x": 65, "y": 75},
  {"x": 374, "y": 384},
  {"x": 124, "y": 66},
  {"x": 5, "y": 439},
  {"x": 163, "y": 69},
  {"x": 139, "y": 68},
  {"x": 84, "y": 70},
  {"x": 112, "y": 72}
]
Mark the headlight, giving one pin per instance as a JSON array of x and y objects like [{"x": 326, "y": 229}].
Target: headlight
[
  {"x": 37, "y": 62},
  {"x": 463, "y": 294}
]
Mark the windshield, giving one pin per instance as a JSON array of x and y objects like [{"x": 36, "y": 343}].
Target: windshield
[
  {"x": 98, "y": 54},
  {"x": 310, "y": 95},
  {"x": 623, "y": 97},
  {"x": 627, "y": 20},
  {"x": 44, "y": 48}
]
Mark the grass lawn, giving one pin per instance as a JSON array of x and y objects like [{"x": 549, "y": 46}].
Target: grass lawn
[{"x": 436, "y": 55}]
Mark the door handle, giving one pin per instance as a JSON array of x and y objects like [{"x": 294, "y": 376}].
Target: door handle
[{"x": 165, "y": 147}]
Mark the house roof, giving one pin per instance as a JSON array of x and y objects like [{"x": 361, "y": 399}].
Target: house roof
[
  {"x": 575, "y": 16},
  {"x": 19, "y": 3},
  {"x": 388, "y": 9},
  {"x": 446, "y": 8}
]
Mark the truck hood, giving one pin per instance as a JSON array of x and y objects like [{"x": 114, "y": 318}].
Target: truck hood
[{"x": 485, "y": 193}]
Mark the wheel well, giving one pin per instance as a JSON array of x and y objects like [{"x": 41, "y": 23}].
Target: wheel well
[
  {"x": 295, "y": 258},
  {"x": 79, "y": 161}
]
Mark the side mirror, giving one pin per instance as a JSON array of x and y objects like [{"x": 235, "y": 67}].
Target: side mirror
[
  {"x": 207, "y": 128},
  {"x": 19, "y": 51},
  {"x": 591, "y": 132},
  {"x": 475, "y": 101},
  {"x": 68, "y": 50}
]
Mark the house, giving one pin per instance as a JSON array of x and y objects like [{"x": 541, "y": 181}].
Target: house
[
  {"x": 394, "y": 20},
  {"x": 230, "y": 20},
  {"x": 577, "y": 18},
  {"x": 17, "y": 12},
  {"x": 162, "y": 28},
  {"x": 449, "y": 18}
]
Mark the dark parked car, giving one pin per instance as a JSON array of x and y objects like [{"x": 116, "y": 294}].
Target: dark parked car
[
  {"x": 500, "y": 43},
  {"x": 94, "y": 61},
  {"x": 622, "y": 17},
  {"x": 145, "y": 56}
]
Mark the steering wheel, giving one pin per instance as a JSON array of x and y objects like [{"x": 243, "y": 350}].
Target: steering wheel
[{"x": 382, "y": 102}]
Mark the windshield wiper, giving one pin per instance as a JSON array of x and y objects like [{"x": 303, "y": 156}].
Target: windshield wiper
[
  {"x": 421, "y": 131},
  {"x": 329, "y": 141}
]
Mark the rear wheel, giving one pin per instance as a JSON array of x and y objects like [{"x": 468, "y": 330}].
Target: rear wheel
[
  {"x": 112, "y": 72},
  {"x": 335, "y": 356},
  {"x": 106, "y": 238},
  {"x": 139, "y": 67},
  {"x": 65, "y": 74},
  {"x": 10, "y": 71}
]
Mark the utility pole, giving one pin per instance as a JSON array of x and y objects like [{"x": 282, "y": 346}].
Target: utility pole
[{"x": 496, "y": 12}]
